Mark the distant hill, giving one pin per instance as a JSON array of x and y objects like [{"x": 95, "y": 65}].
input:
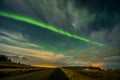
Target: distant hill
[{"x": 82, "y": 67}]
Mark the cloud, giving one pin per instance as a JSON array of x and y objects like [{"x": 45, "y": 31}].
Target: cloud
[
  {"x": 107, "y": 37},
  {"x": 29, "y": 52},
  {"x": 98, "y": 35},
  {"x": 19, "y": 57},
  {"x": 32, "y": 56},
  {"x": 13, "y": 35},
  {"x": 59, "y": 13},
  {"x": 105, "y": 7},
  {"x": 114, "y": 37},
  {"x": 17, "y": 39},
  {"x": 104, "y": 56}
]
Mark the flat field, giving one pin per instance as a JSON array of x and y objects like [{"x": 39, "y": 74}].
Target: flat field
[{"x": 78, "y": 74}]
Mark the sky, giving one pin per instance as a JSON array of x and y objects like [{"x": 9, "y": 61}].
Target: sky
[{"x": 95, "y": 20}]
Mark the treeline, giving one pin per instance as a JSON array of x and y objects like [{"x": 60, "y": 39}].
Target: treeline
[{"x": 4, "y": 58}]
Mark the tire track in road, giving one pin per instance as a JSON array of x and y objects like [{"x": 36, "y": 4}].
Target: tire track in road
[{"x": 58, "y": 74}]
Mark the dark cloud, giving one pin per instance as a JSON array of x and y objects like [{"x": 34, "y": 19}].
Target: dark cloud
[
  {"x": 100, "y": 6},
  {"x": 107, "y": 12}
]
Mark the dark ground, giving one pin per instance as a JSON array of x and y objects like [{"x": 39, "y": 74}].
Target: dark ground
[
  {"x": 58, "y": 74},
  {"x": 50, "y": 74},
  {"x": 66, "y": 74}
]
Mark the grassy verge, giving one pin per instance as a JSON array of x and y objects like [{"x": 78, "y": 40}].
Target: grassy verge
[
  {"x": 12, "y": 72},
  {"x": 76, "y": 74},
  {"x": 11, "y": 69}
]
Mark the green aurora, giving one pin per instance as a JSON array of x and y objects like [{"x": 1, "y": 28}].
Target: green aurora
[{"x": 46, "y": 26}]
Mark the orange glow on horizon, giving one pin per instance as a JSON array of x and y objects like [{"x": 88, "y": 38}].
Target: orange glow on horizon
[
  {"x": 46, "y": 66},
  {"x": 97, "y": 64}
]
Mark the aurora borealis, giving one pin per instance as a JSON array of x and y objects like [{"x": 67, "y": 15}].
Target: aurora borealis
[
  {"x": 61, "y": 32},
  {"x": 43, "y": 25}
]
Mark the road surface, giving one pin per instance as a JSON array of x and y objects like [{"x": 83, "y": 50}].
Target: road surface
[{"x": 49, "y": 74}]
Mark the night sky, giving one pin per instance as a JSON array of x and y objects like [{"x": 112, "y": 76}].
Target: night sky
[{"x": 96, "y": 20}]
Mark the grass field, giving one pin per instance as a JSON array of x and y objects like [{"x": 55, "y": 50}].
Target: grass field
[
  {"x": 10, "y": 69},
  {"x": 76, "y": 74}
]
